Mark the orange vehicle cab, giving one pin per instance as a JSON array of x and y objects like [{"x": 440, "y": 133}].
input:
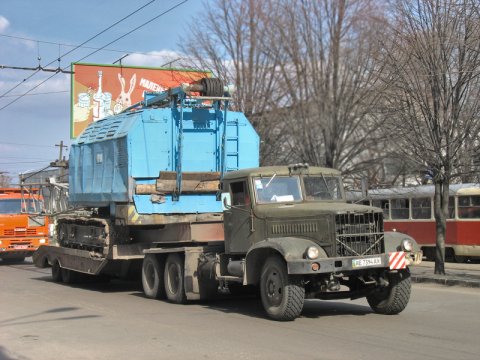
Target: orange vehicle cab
[{"x": 23, "y": 227}]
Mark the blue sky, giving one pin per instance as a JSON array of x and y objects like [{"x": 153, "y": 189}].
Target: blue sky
[{"x": 32, "y": 126}]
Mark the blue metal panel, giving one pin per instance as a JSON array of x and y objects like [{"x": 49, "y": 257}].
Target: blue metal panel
[
  {"x": 137, "y": 146},
  {"x": 150, "y": 144},
  {"x": 98, "y": 163}
]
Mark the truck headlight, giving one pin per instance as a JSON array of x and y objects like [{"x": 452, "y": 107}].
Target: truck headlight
[
  {"x": 43, "y": 241},
  {"x": 312, "y": 252},
  {"x": 407, "y": 245}
]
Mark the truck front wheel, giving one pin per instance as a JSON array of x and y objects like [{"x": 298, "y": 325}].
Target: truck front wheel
[
  {"x": 152, "y": 277},
  {"x": 173, "y": 279},
  {"x": 282, "y": 295},
  {"x": 394, "y": 298}
]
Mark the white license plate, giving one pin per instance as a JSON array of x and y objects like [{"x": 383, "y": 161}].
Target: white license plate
[
  {"x": 20, "y": 247},
  {"x": 356, "y": 263}
]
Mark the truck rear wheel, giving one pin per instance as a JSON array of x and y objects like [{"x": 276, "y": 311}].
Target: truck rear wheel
[
  {"x": 152, "y": 277},
  {"x": 394, "y": 298},
  {"x": 282, "y": 295},
  {"x": 173, "y": 279},
  {"x": 56, "y": 271}
]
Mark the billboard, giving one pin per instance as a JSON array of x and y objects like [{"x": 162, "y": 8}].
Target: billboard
[{"x": 104, "y": 90}]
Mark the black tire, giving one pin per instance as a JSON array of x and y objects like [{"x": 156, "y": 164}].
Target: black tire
[
  {"x": 56, "y": 272},
  {"x": 69, "y": 276},
  {"x": 282, "y": 295},
  {"x": 174, "y": 279},
  {"x": 152, "y": 276},
  {"x": 43, "y": 264},
  {"x": 393, "y": 299}
]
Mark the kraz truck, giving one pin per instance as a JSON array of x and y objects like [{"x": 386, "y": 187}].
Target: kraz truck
[{"x": 172, "y": 188}]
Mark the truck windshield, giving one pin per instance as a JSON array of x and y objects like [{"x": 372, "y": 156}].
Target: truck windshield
[
  {"x": 322, "y": 188},
  {"x": 16, "y": 206},
  {"x": 277, "y": 189}
]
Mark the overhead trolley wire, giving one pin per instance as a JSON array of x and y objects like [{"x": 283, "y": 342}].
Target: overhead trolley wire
[
  {"x": 78, "y": 46},
  {"x": 94, "y": 52}
]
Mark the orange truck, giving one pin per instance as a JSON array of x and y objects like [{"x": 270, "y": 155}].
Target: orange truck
[{"x": 23, "y": 227}]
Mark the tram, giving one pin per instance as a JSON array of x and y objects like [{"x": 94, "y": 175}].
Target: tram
[{"x": 410, "y": 210}]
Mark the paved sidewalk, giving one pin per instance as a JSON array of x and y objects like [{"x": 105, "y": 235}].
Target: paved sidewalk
[{"x": 467, "y": 274}]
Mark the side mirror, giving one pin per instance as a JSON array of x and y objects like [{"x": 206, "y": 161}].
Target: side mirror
[{"x": 226, "y": 201}]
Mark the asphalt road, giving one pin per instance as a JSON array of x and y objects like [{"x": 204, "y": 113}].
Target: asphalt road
[{"x": 40, "y": 319}]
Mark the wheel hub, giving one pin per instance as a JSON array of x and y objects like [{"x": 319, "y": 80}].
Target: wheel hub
[{"x": 274, "y": 288}]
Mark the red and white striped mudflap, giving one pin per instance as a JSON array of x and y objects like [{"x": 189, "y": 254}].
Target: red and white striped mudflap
[{"x": 397, "y": 260}]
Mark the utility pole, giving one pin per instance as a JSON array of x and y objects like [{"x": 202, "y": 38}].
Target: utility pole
[
  {"x": 61, "y": 150},
  {"x": 60, "y": 162}
]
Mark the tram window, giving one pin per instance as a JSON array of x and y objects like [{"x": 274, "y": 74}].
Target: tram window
[
  {"x": 421, "y": 208},
  {"x": 469, "y": 207},
  {"x": 384, "y": 205},
  {"x": 400, "y": 208},
  {"x": 451, "y": 208}
]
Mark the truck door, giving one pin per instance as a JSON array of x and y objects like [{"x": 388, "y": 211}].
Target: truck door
[{"x": 238, "y": 237}]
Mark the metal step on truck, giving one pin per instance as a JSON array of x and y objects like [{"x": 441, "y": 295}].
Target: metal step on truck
[{"x": 171, "y": 188}]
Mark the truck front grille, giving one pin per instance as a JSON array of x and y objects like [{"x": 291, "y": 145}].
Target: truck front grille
[
  {"x": 19, "y": 232},
  {"x": 359, "y": 234},
  {"x": 294, "y": 228}
]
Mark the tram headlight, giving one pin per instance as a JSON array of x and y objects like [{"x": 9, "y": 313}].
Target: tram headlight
[
  {"x": 407, "y": 245},
  {"x": 312, "y": 252}
]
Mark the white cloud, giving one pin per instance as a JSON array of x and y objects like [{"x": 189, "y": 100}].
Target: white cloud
[
  {"x": 4, "y": 23},
  {"x": 154, "y": 58}
]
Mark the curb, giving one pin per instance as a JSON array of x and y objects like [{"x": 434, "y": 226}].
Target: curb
[{"x": 445, "y": 281}]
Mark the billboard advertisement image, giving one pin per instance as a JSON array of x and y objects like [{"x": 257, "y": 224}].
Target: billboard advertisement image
[{"x": 99, "y": 91}]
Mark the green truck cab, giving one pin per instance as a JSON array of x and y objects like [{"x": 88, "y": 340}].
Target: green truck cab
[{"x": 290, "y": 232}]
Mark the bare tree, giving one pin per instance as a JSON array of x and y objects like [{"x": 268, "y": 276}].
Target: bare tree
[
  {"x": 229, "y": 41},
  {"x": 326, "y": 51},
  {"x": 433, "y": 62}
]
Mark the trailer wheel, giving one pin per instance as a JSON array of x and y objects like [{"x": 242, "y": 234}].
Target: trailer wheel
[
  {"x": 282, "y": 295},
  {"x": 393, "y": 299},
  {"x": 56, "y": 271},
  {"x": 173, "y": 279},
  {"x": 69, "y": 276},
  {"x": 152, "y": 276}
]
